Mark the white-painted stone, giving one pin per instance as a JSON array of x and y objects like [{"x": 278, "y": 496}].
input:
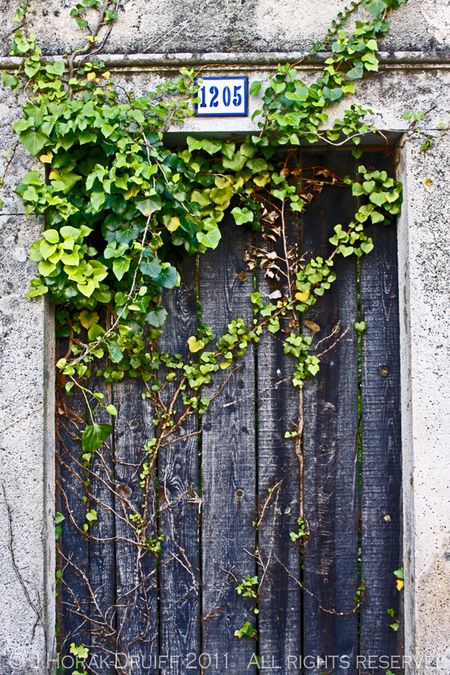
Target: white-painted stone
[
  {"x": 150, "y": 26},
  {"x": 224, "y": 31},
  {"x": 424, "y": 253},
  {"x": 19, "y": 161},
  {"x": 27, "y": 460},
  {"x": 389, "y": 94}
]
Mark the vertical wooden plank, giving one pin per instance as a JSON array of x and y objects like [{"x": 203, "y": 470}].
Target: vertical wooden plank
[
  {"x": 102, "y": 558},
  {"x": 136, "y": 568},
  {"x": 228, "y": 465},
  {"x": 381, "y": 458},
  {"x": 278, "y": 403},
  {"x": 330, "y": 443},
  {"x": 179, "y": 500},
  {"x": 73, "y": 550}
]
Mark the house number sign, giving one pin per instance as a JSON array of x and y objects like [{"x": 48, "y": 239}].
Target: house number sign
[{"x": 222, "y": 97}]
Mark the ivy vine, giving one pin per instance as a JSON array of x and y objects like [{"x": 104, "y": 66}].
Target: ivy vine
[{"x": 116, "y": 199}]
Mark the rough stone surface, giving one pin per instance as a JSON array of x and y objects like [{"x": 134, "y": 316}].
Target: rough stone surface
[
  {"x": 389, "y": 95},
  {"x": 27, "y": 460},
  {"x": 151, "y": 26},
  {"x": 19, "y": 160},
  {"x": 26, "y": 332},
  {"x": 424, "y": 247}
]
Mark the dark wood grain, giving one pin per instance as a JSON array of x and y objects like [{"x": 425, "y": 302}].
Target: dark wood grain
[
  {"x": 381, "y": 457},
  {"x": 102, "y": 554},
  {"x": 179, "y": 499},
  {"x": 214, "y": 485},
  {"x": 136, "y": 568},
  {"x": 278, "y": 493},
  {"x": 73, "y": 549},
  {"x": 330, "y": 442},
  {"x": 228, "y": 464}
]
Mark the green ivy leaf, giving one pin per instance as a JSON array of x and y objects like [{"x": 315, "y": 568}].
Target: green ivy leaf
[
  {"x": 334, "y": 94},
  {"x": 400, "y": 573},
  {"x": 378, "y": 198},
  {"x": 356, "y": 72},
  {"x": 209, "y": 145},
  {"x": 91, "y": 516},
  {"x": 280, "y": 194},
  {"x": 345, "y": 251},
  {"x": 36, "y": 289},
  {"x": 255, "y": 87},
  {"x": 247, "y": 630},
  {"x": 69, "y": 232},
  {"x": 59, "y": 518},
  {"x": 115, "y": 250},
  {"x": 55, "y": 68},
  {"x": 242, "y": 216},
  {"x": 94, "y": 436},
  {"x": 313, "y": 368},
  {"x": 115, "y": 352},
  {"x": 33, "y": 141},
  {"x": 357, "y": 190},
  {"x": 80, "y": 651},
  {"x": 376, "y": 217},
  {"x": 88, "y": 319},
  {"x": 257, "y": 164},
  {"x": 9, "y": 81},
  {"x": 375, "y": 7},
  {"x": 151, "y": 268},
  {"x": 121, "y": 267},
  {"x": 46, "y": 268},
  {"x": 97, "y": 200},
  {"x": 209, "y": 239},
  {"x": 46, "y": 250},
  {"x": 367, "y": 246},
  {"x": 168, "y": 277},
  {"x": 156, "y": 317},
  {"x": 228, "y": 149},
  {"x": 95, "y": 332},
  {"x": 149, "y": 206},
  {"x": 51, "y": 236}
]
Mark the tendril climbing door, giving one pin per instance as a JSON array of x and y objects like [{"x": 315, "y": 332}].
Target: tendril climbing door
[{"x": 273, "y": 517}]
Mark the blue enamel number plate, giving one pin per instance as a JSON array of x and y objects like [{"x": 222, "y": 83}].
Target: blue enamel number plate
[{"x": 222, "y": 97}]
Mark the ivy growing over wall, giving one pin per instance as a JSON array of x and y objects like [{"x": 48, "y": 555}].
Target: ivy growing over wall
[{"x": 116, "y": 199}]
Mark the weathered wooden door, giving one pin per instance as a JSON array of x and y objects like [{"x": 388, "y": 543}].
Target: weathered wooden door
[{"x": 227, "y": 497}]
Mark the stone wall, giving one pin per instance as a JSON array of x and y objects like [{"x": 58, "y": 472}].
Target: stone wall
[
  {"x": 151, "y": 39},
  {"x": 169, "y": 26}
]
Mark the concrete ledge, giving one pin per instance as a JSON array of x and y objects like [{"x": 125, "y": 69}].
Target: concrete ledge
[{"x": 229, "y": 59}]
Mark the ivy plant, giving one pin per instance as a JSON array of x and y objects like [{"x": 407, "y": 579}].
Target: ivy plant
[{"x": 116, "y": 199}]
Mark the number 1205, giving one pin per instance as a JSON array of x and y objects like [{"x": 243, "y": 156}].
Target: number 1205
[{"x": 222, "y": 96}]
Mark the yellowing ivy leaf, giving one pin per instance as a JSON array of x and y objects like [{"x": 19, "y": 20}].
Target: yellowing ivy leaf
[
  {"x": 194, "y": 344},
  {"x": 88, "y": 319},
  {"x": 172, "y": 223},
  {"x": 132, "y": 192},
  {"x": 302, "y": 296},
  {"x": 46, "y": 158}
]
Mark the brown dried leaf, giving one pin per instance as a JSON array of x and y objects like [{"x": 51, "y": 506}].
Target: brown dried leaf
[{"x": 312, "y": 326}]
